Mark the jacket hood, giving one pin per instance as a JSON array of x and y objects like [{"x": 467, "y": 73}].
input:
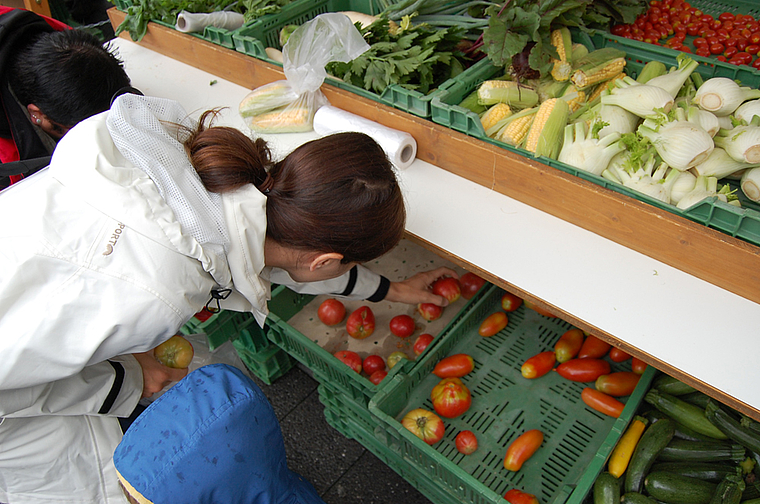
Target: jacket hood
[{"x": 211, "y": 438}]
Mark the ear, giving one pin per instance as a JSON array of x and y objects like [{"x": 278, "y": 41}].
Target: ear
[
  {"x": 324, "y": 259},
  {"x": 35, "y": 113}
]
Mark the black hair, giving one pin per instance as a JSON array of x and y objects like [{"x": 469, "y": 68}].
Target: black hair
[{"x": 68, "y": 74}]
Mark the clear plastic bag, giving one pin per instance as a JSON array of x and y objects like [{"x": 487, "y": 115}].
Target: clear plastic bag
[{"x": 288, "y": 106}]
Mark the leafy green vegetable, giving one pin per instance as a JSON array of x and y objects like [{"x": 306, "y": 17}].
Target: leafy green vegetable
[
  {"x": 143, "y": 11},
  {"x": 416, "y": 57}
]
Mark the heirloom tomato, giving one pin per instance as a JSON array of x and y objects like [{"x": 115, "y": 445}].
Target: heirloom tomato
[
  {"x": 421, "y": 343},
  {"x": 447, "y": 287},
  {"x": 176, "y": 352},
  {"x": 466, "y": 442},
  {"x": 361, "y": 323},
  {"x": 402, "y": 326},
  {"x": 424, "y": 424},
  {"x": 350, "y": 359},
  {"x": 470, "y": 284},
  {"x": 373, "y": 363},
  {"x": 394, "y": 359},
  {"x": 331, "y": 312},
  {"x": 429, "y": 311},
  {"x": 451, "y": 397},
  {"x": 378, "y": 376}
]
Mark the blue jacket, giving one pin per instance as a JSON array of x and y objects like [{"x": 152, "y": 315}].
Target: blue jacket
[{"x": 212, "y": 438}]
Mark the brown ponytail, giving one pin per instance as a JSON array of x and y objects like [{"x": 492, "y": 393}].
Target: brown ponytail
[{"x": 334, "y": 194}]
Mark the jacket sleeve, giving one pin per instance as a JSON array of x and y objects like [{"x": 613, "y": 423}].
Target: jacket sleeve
[
  {"x": 111, "y": 388},
  {"x": 358, "y": 283}
]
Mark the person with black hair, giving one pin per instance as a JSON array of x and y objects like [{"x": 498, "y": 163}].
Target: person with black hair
[{"x": 49, "y": 81}]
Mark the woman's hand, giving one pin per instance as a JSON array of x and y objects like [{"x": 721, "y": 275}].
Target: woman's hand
[
  {"x": 156, "y": 376},
  {"x": 416, "y": 288}
]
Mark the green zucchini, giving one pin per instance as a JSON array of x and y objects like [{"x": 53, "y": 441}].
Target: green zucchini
[
  {"x": 636, "y": 498},
  {"x": 729, "y": 490},
  {"x": 669, "y": 385},
  {"x": 702, "y": 451},
  {"x": 751, "y": 501},
  {"x": 682, "y": 432},
  {"x": 653, "y": 440},
  {"x": 751, "y": 491},
  {"x": 696, "y": 398},
  {"x": 606, "y": 489},
  {"x": 733, "y": 429},
  {"x": 676, "y": 489},
  {"x": 684, "y": 413},
  {"x": 707, "y": 471}
]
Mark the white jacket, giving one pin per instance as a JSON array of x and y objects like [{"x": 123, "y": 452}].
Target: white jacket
[{"x": 95, "y": 265}]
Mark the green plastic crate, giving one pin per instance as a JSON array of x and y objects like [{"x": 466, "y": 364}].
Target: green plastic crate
[
  {"x": 335, "y": 399},
  {"x": 268, "y": 364},
  {"x": 327, "y": 369},
  {"x": 253, "y": 38},
  {"x": 578, "y": 440},
  {"x": 743, "y": 223},
  {"x": 229, "y": 325}
]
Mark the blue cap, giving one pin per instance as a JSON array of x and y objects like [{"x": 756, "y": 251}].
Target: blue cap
[{"x": 213, "y": 437}]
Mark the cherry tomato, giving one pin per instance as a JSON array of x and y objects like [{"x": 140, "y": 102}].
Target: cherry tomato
[
  {"x": 756, "y": 64},
  {"x": 583, "y": 370},
  {"x": 699, "y": 42},
  {"x": 752, "y": 49},
  {"x": 731, "y": 52},
  {"x": 619, "y": 384},
  {"x": 703, "y": 51},
  {"x": 684, "y": 48},
  {"x": 538, "y": 365},
  {"x": 402, "y": 326},
  {"x": 742, "y": 44},
  {"x": 331, "y": 312},
  {"x": 731, "y": 42},
  {"x": 522, "y": 448},
  {"x": 722, "y": 34},
  {"x": 692, "y": 29},
  {"x": 726, "y": 16},
  {"x": 602, "y": 402},
  {"x": 493, "y": 324},
  {"x": 454, "y": 366},
  {"x": 720, "y": 57},
  {"x": 755, "y": 38},
  {"x": 373, "y": 363},
  {"x": 424, "y": 424},
  {"x": 716, "y": 24},
  {"x": 466, "y": 442},
  {"x": 744, "y": 57},
  {"x": 708, "y": 33},
  {"x": 717, "y": 48},
  {"x": 728, "y": 25},
  {"x": 421, "y": 343},
  {"x": 754, "y": 27},
  {"x": 620, "y": 30},
  {"x": 706, "y": 18},
  {"x": 451, "y": 398},
  {"x": 712, "y": 40}
]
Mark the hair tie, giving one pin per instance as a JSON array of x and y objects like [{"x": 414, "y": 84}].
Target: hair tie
[{"x": 265, "y": 186}]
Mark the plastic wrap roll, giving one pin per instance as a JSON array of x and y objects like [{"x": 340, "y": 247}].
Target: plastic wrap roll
[
  {"x": 189, "y": 22},
  {"x": 400, "y": 146}
]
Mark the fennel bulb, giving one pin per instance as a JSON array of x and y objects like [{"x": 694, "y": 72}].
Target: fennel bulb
[
  {"x": 705, "y": 187},
  {"x": 682, "y": 186},
  {"x": 681, "y": 144},
  {"x": 706, "y": 120},
  {"x": 640, "y": 99},
  {"x": 673, "y": 81},
  {"x": 741, "y": 143},
  {"x": 656, "y": 184},
  {"x": 719, "y": 164},
  {"x": 750, "y": 184},
  {"x": 747, "y": 111},
  {"x": 618, "y": 120},
  {"x": 722, "y": 96},
  {"x": 583, "y": 151}
]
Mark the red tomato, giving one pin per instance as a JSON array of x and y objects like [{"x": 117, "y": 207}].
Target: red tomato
[
  {"x": 350, "y": 359},
  {"x": 361, "y": 323},
  {"x": 378, "y": 376},
  {"x": 470, "y": 284},
  {"x": 454, "y": 366},
  {"x": 617, "y": 355},
  {"x": 176, "y": 352},
  {"x": 493, "y": 324},
  {"x": 451, "y": 398},
  {"x": 538, "y": 365},
  {"x": 756, "y": 64},
  {"x": 620, "y": 30},
  {"x": 638, "y": 366},
  {"x": 752, "y": 49},
  {"x": 510, "y": 302},
  {"x": 699, "y": 42},
  {"x": 421, "y": 343},
  {"x": 583, "y": 370},
  {"x": 703, "y": 51},
  {"x": 402, "y": 326},
  {"x": 466, "y": 442},
  {"x": 447, "y": 287},
  {"x": 424, "y": 424},
  {"x": 522, "y": 448},
  {"x": 594, "y": 347},
  {"x": 744, "y": 57},
  {"x": 730, "y": 43},
  {"x": 429, "y": 311},
  {"x": 331, "y": 312},
  {"x": 515, "y": 496},
  {"x": 395, "y": 358},
  {"x": 617, "y": 384},
  {"x": 568, "y": 345},
  {"x": 373, "y": 363},
  {"x": 726, "y": 16},
  {"x": 602, "y": 402}
]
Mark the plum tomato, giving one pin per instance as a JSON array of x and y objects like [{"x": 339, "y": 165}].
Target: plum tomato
[
  {"x": 331, "y": 312},
  {"x": 429, "y": 311},
  {"x": 176, "y": 352},
  {"x": 451, "y": 398},
  {"x": 378, "y": 376},
  {"x": 510, "y": 302},
  {"x": 515, "y": 496},
  {"x": 394, "y": 359},
  {"x": 454, "y": 366},
  {"x": 373, "y": 363},
  {"x": 522, "y": 448},
  {"x": 470, "y": 284},
  {"x": 447, "y": 287},
  {"x": 350, "y": 359},
  {"x": 493, "y": 324},
  {"x": 361, "y": 323},
  {"x": 402, "y": 326},
  {"x": 424, "y": 424},
  {"x": 466, "y": 442},
  {"x": 421, "y": 343}
]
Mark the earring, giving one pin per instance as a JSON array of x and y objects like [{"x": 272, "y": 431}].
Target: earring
[{"x": 37, "y": 120}]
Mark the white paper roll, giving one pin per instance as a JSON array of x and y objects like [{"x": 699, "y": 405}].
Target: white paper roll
[
  {"x": 190, "y": 22},
  {"x": 400, "y": 146}
]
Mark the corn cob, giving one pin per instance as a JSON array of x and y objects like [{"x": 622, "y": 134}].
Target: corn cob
[
  {"x": 562, "y": 68},
  {"x": 599, "y": 89},
  {"x": 545, "y": 135},
  {"x": 515, "y": 131},
  {"x": 494, "y": 115},
  {"x": 267, "y": 97},
  {"x": 288, "y": 119},
  {"x": 598, "y": 66},
  {"x": 492, "y": 92},
  {"x": 579, "y": 51},
  {"x": 574, "y": 102}
]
